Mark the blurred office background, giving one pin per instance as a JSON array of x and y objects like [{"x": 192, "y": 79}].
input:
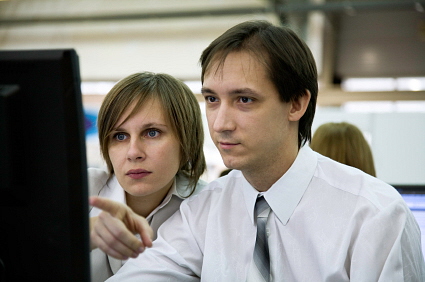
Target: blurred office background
[{"x": 370, "y": 56}]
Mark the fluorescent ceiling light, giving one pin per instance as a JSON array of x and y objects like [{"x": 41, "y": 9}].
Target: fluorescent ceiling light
[
  {"x": 369, "y": 84},
  {"x": 382, "y": 84},
  {"x": 410, "y": 83}
]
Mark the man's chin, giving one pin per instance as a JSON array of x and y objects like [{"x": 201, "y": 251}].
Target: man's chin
[{"x": 232, "y": 163}]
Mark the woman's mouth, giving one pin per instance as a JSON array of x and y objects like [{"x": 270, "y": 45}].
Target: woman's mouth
[{"x": 137, "y": 173}]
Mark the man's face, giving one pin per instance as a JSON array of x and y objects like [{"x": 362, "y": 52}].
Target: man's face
[{"x": 247, "y": 120}]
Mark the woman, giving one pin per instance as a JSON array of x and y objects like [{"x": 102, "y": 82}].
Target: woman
[
  {"x": 151, "y": 137},
  {"x": 344, "y": 143}
]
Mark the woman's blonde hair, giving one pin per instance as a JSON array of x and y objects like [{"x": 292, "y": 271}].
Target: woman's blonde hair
[
  {"x": 180, "y": 107},
  {"x": 344, "y": 143}
]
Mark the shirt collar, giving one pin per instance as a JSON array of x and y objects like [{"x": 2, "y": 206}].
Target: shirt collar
[
  {"x": 172, "y": 192},
  {"x": 284, "y": 195},
  {"x": 250, "y": 196}
]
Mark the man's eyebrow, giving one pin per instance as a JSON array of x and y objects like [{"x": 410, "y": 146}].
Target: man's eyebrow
[
  {"x": 205, "y": 90},
  {"x": 249, "y": 91}
]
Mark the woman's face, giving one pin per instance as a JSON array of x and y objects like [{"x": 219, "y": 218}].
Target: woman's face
[{"x": 144, "y": 151}]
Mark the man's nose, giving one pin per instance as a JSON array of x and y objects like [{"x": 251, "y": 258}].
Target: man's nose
[{"x": 223, "y": 119}]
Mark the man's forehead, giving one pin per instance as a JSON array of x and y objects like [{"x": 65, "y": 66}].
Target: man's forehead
[
  {"x": 243, "y": 61},
  {"x": 250, "y": 79},
  {"x": 243, "y": 57}
]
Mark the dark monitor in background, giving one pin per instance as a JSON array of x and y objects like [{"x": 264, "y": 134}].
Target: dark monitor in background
[
  {"x": 414, "y": 195},
  {"x": 43, "y": 168}
]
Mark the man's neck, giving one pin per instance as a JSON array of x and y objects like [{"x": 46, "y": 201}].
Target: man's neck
[{"x": 264, "y": 177}]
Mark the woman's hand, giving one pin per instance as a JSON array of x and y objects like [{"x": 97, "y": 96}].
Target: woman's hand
[{"x": 113, "y": 230}]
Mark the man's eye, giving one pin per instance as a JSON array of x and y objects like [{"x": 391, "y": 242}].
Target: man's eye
[
  {"x": 120, "y": 136},
  {"x": 211, "y": 99},
  {"x": 245, "y": 100},
  {"x": 153, "y": 133}
]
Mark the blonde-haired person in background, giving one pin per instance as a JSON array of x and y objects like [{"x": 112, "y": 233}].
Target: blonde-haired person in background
[
  {"x": 344, "y": 143},
  {"x": 151, "y": 137}
]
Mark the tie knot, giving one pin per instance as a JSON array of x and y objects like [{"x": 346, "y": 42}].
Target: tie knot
[{"x": 262, "y": 208}]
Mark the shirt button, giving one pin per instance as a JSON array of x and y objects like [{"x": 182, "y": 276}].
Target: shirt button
[{"x": 268, "y": 232}]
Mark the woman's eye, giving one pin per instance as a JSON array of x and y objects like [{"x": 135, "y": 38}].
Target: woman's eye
[
  {"x": 153, "y": 133},
  {"x": 245, "y": 100},
  {"x": 120, "y": 136}
]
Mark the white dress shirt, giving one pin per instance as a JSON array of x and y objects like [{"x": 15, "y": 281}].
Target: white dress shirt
[
  {"x": 104, "y": 266},
  {"x": 329, "y": 222}
]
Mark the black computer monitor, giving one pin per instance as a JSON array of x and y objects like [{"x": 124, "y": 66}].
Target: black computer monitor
[{"x": 43, "y": 169}]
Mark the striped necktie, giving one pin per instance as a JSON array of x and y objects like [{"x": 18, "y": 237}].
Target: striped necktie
[{"x": 260, "y": 269}]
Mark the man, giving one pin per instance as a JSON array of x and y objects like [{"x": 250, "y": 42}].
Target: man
[{"x": 325, "y": 221}]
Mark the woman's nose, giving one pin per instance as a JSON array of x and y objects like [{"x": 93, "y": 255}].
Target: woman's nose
[{"x": 135, "y": 150}]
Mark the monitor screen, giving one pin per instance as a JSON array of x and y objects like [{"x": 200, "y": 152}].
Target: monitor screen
[{"x": 43, "y": 169}]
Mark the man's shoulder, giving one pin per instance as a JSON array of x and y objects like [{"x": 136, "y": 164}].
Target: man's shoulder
[
  {"x": 219, "y": 187},
  {"x": 353, "y": 181}
]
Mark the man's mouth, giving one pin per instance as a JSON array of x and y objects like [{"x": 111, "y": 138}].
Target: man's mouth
[{"x": 227, "y": 145}]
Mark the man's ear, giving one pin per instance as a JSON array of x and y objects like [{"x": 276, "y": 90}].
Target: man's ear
[{"x": 299, "y": 106}]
